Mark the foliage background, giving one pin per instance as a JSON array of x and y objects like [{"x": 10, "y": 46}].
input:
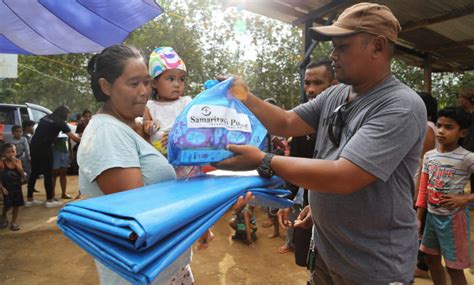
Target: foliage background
[{"x": 212, "y": 40}]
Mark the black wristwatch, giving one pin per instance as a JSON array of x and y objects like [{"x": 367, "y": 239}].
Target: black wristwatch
[{"x": 264, "y": 169}]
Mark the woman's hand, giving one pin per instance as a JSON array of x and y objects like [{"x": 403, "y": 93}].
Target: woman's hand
[
  {"x": 304, "y": 219},
  {"x": 246, "y": 158}
]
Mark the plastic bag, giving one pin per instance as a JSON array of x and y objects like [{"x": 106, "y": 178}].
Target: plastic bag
[{"x": 211, "y": 121}]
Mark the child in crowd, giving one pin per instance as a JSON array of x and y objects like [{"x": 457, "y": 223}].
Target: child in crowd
[
  {"x": 445, "y": 172},
  {"x": 22, "y": 149},
  {"x": 28, "y": 129},
  {"x": 11, "y": 175},
  {"x": 83, "y": 121},
  {"x": 169, "y": 77},
  {"x": 60, "y": 164},
  {"x": 244, "y": 223}
]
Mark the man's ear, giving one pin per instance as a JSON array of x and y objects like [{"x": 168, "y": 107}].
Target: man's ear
[
  {"x": 380, "y": 45},
  {"x": 463, "y": 133},
  {"x": 104, "y": 86}
]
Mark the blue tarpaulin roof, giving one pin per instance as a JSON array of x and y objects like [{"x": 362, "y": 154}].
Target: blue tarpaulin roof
[{"x": 45, "y": 27}]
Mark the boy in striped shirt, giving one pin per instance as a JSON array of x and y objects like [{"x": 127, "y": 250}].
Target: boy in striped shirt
[{"x": 446, "y": 171}]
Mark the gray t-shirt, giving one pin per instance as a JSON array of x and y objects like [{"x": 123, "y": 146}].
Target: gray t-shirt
[
  {"x": 370, "y": 236},
  {"x": 108, "y": 143}
]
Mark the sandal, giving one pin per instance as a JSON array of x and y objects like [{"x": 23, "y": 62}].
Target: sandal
[
  {"x": 4, "y": 223},
  {"x": 15, "y": 227},
  {"x": 66, "y": 196}
]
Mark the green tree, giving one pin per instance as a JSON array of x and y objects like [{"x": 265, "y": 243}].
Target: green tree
[{"x": 212, "y": 40}]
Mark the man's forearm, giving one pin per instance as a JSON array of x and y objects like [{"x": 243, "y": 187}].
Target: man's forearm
[
  {"x": 326, "y": 176},
  {"x": 278, "y": 121}
]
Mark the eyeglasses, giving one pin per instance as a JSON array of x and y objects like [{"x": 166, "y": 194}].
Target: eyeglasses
[{"x": 336, "y": 124}]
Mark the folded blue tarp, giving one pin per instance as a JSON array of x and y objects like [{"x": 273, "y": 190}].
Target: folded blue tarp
[{"x": 138, "y": 233}]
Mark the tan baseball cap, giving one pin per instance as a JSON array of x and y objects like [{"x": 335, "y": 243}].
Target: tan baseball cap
[
  {"x": 467, "y": 92},
  {"x": 363, "y": 17}
]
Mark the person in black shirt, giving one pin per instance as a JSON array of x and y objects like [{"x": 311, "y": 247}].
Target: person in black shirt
[
  {"x": 319, "y": 75},
  {"x": 42, "y": 153}
]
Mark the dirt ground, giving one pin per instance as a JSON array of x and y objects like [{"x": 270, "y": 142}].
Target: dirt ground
[{"x": 40, "y": 254}]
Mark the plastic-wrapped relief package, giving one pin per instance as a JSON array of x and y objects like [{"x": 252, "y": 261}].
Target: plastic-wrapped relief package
[{"x": 214, "y": 119}]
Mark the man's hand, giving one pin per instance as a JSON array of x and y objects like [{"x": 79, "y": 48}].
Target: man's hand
[
  {"x": 454, "y": 201},
  {"x": 283, "y": 218},
  {"x": 246, "y": 158},
  {"x": 239, "y": 88},
  {"x": 304, "y": 219},
  {"x": 4, "y": 190}
]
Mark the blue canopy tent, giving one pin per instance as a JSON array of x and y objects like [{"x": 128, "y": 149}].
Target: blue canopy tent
[{"x": 46, "y": 27}]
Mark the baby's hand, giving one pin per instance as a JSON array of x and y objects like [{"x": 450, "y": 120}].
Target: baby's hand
[
  {"x": 150, "y": 127},
  {"x": 164, "y": 139}
]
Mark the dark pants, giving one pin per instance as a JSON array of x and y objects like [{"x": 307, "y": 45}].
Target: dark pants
[
  {"x": 41, "y": 163},
  {"x": 322, "y": 275}
]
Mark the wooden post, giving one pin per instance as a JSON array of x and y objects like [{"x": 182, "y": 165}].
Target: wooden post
[{"x": 427, "y": 74}]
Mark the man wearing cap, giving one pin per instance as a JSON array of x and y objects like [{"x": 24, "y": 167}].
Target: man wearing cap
[{"x": 370, "y": 131}]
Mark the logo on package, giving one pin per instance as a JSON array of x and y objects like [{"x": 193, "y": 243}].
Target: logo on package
[
  {"x": 206, "y": 111},
  {"x": 205, "y": 116}
]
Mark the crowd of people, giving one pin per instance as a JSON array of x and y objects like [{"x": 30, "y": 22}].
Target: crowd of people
[
  {"x": 42, "y": 149},
  {"x": 361, "y": 151}
]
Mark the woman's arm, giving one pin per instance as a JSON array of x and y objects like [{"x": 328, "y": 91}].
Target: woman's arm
[
  {"x": 119, "y": 179},
  {"x": 73, "y": 136}
]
